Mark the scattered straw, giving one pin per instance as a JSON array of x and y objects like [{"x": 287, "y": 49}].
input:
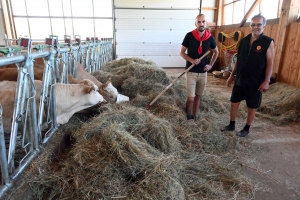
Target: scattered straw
[
  {"x": 281, "y": 104},
  {"x": 128, "y": 152}
]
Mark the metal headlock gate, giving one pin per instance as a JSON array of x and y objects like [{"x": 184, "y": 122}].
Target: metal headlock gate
[{"x": 60, "y": 60}]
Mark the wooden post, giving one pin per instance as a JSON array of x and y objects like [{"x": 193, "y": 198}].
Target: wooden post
[
  {"x": 255, "y": 3},
  {"x": 289, "y": 13},
  {"x": 279, "y": 8},
  {"x": 219, "y": 13}
]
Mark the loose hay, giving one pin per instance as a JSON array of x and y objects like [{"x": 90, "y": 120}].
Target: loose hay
[
  {"x": 281, "y": 104},
  {"x": 129, "y": 152}
]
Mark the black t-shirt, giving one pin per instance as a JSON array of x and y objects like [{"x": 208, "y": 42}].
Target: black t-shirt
[
  {"x": 192, "y": 46},
  {"x": 252, "y": 61}
]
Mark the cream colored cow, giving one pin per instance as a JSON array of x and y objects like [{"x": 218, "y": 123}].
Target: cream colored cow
[{"x": 70, "y": 98}]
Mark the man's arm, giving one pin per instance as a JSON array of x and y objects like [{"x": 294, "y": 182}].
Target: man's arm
[
  {"x": 270, "y": 61},
  {"x": 186, "y": 57},
  {"x": 230, "y": 78},
  {"x": 213, "y": 59}
]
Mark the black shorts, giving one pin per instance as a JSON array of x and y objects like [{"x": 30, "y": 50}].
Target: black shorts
[{"x": 251, "y": 94}]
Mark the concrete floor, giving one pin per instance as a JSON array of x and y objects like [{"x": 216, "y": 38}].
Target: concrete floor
[{"x": 275, "y": 167}]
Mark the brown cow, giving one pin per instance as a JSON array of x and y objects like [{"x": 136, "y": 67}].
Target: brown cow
[{"x": 11, "y": 74}]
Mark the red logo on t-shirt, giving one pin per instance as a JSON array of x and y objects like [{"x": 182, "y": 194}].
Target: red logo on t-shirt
[{"x": 258, "y": 48}]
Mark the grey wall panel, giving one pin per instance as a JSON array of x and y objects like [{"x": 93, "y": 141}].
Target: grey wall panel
[
  {"x": 156, "y": 14},
  {"x": 149, "y": 36},
  {"x": 154, "y": 29},
  {"x": 129, "y": 49},
  {"x": 151, "y": 24},
  {"x": 163, "y": 61},
  {"x": 157, "y": 3}
]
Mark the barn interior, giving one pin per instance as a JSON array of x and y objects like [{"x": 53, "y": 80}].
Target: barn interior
[{"x": 137, "y": 142}]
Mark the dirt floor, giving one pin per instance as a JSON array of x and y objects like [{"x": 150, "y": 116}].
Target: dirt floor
[{"x": 274, "y": 166}]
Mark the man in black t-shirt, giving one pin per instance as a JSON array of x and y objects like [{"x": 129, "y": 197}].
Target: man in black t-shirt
[
  {"x": 253, "y": 71},
  {"x": 197, "y": 43}
]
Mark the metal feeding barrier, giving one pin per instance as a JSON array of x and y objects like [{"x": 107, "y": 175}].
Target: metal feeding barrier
[{"x": 60, "y": 59}]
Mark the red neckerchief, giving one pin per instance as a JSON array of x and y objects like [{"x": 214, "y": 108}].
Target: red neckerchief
[{"x": 205, "y": 36}]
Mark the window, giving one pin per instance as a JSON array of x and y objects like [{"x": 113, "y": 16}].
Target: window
[
  {"x": 38, "y": 19},
  {"x": 55, "y": 7},
  {"x": 235, "y": 10},
  {"x": 83, "y": 27},
  {"x": 37, "y": 7},
  {"x": 269, "y": 9},
  {"x": 82, "y": 8},
  {"x": 39, "y": 27},
  {"x": 102, "y": 29}
]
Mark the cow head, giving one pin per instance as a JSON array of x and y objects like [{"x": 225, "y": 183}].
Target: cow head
[
  {"x": 92, "y": 86},
  {"x": 108, "y": 91},
  {"x": 72, "y": 98}
]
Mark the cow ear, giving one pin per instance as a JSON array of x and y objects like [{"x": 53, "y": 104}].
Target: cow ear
[
  {"x": 72, "y": 80},
  {"x": 108, "y": 81},
  {"x": 90, "y": 88},
  {"x": 106, "y": 84}
]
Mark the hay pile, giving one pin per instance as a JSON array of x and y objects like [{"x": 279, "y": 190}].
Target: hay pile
[
  {"x": 128, "y": 152},
  {"x": 281, "y": 104}
]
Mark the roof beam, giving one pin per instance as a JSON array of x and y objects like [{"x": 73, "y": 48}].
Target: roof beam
[
  {"x": 255, "y": 3},
  {"x": 219, "y": 12}
]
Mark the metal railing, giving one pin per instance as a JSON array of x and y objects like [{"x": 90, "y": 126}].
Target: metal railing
[{"x": 60, "y": 59}]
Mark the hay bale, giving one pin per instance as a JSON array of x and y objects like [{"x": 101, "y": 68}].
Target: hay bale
[
  {"x": 130, "y": 152},
  {"x": 281, "y": 104},
  {"x": 125, "y": 61},
  {"x": 116, "y": 80},
  {"x": 121, "y": 70}
]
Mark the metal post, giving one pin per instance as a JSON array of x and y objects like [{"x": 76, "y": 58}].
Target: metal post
[
  {"x": 48, "y": 100},
  {"x": 17, "y": 116},
  {"x": 33, "y": 131},
  {"x": 87, "y": 57},
  {"x": 3, "y": 157}
]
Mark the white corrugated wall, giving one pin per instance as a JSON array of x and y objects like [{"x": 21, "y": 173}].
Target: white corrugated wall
[{"x": 154, "y": 29}]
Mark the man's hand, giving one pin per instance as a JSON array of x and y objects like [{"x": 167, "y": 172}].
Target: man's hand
[
  {"x": 264, "y": 86},
  {"x": 229, "y": 81},
  {"x": 207, "y": 67},
  {"x": 196, "y": 61}
]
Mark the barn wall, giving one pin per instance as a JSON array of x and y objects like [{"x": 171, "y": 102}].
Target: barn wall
[
  {"x": 154, "y": 29},
  {"x": 270, "y": 30},
  {"x": 289, "y": 71},
  {"x": 2, "y": 29}
]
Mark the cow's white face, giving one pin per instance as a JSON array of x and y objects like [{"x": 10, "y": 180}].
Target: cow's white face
[
  {"x": 111, "y": 89},
  {"x": 94, "y": 97},
  {"x": 113, "y": 92}
]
